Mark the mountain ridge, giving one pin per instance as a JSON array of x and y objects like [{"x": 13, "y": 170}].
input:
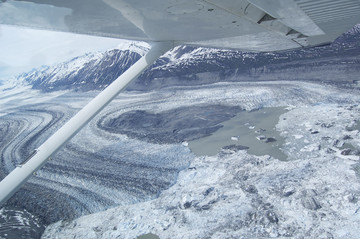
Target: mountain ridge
[{"x": 184, "y": 65}]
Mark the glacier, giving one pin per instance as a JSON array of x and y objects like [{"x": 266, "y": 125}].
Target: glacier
[
  {"x": 237, "y": 195},
  {"x": 111, "y": 183},
  {"x": 314, "y": 194}
]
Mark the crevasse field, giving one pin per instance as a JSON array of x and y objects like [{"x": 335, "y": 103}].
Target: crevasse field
[{"x": 147, "y": 179}]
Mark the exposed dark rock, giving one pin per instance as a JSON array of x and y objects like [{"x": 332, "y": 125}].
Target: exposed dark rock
[
  {"x": 309, "y": 200},
  {"x": 346, "y": 152},
  {"x": 314, "y": 132},
  {"x": 328, "y": 235},
  {"x": 330, "y": 151},
  {"x": 241, "y": 175},
  {"x": 209, "y": 190},
  {"x": 356, "y": 152},
  {"x": 309, "y": 192},
  {"x": 327, "y": 125},
  {"x": 352, "y": 198},
  {"x": 266, "y": 206},
  {"x": 205, "y": 207},
  {"x": 288, "y": 191},
  {"x": 310, "y": 203},
  {"x": 187, "y": 205},
  {"x": 272, "y": 217},
  {"x": 259, "y": 131},
  {"x": 270, "y": 140},
  {"x": 250, "y": 189},
  {"x": 346, "y": 137},
  {"x": 172, "y": 126},
  {"x": 338, "y": 143}
]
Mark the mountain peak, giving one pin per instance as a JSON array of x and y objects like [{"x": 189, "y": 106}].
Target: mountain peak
[{"x": 136, "y": 47}]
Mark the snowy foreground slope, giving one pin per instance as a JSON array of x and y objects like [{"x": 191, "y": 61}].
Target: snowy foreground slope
[{"x": 236, "y": 195}]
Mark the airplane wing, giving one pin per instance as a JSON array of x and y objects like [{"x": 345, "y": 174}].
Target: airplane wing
[{"x": 252, "y": 25}]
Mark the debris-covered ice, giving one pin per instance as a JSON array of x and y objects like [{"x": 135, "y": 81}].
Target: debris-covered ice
[{"x": 315, "y": 194}]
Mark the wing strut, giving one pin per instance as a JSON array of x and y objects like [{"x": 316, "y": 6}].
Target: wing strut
[{"x": 15, "y": 179}]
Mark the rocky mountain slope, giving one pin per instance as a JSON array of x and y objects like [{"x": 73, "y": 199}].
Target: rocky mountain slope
[{"x": 190, "y": 65}]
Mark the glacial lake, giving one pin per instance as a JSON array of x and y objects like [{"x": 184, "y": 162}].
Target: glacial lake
[{"x": 253, "y": 129}]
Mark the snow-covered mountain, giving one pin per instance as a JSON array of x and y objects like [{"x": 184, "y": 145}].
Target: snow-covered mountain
[
  {"x": 93, "y": 70},
  {"x": 185, "y": 65},
  {"x": 352, "y": 36}
]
